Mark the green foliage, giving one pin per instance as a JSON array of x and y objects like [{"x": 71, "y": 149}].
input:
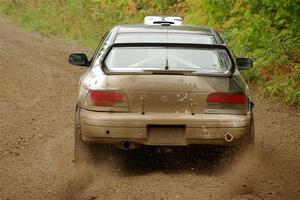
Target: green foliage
[
  {"x": 286, "y": 88},
  {"x": 267, "y": 31},
  {"x": 6, "y": 8},
  {"x": 84, "y": 20}
]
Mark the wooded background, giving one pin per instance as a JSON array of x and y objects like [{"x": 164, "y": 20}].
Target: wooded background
[{"x": 265, "y": 30}]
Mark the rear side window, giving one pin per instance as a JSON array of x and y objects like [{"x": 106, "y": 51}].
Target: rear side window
[{"x": 198, "y": 60}]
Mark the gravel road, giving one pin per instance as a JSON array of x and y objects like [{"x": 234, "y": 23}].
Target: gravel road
[{"x": 37, "y": 101}]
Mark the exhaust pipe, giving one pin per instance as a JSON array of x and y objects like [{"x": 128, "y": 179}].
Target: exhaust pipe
[
  {"x": 127, "y": 145},
  {"x": 228, "y": 137}
]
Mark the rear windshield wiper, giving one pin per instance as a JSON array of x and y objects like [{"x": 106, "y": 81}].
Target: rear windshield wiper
[
  {"x": 179, "y": 72},
  {"x": 167, "y": 64}
]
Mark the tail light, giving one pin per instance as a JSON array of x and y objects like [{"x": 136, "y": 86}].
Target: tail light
[
  {"x": 230, "y": 103},
  {"x": 232, "y": 98},
  {"x": 107, "y": 98}
]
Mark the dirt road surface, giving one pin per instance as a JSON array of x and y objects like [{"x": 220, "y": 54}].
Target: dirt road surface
[{"x": 37, "y": 99}]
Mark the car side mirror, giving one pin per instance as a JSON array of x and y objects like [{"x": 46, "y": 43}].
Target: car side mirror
[
  {"x": 244, "y": 63},
  {"x": 79, "y": 59}
]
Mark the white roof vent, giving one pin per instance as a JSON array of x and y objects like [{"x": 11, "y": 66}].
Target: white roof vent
[{"x": 160, "y": 20}]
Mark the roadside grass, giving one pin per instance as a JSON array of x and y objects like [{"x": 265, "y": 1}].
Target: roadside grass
[
  {"x": 85, "y": 21},
  {"x": 266, "y": 31}
]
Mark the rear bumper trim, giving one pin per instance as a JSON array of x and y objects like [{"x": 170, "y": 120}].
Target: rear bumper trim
[{"x": 199, "y": 129}]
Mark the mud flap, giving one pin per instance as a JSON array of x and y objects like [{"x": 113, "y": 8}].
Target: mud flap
[
  {"x": 251, "y": 106},
  {"x": 249, "y": 139},
  {"x": 81, "y": 150}
]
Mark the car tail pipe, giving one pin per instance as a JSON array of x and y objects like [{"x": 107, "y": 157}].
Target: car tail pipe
[
  {"x": 125, "y": 144},
  {"x": 228, "y": 137}
]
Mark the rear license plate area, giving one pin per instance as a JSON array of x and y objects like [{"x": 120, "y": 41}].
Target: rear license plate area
[{"x": 166, "y": 134}]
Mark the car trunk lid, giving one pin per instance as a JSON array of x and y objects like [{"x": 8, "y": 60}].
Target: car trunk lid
[{"x": 167, "y": 93}]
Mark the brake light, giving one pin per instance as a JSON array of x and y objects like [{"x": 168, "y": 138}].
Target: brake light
[
  {"x": 107, "y": 98},
  {"x": 230, "y": 98}
]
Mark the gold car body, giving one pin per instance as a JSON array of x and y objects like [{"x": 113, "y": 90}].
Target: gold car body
[{"x": 161, "y": 109}]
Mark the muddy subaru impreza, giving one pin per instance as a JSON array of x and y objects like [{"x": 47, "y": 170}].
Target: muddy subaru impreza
[{"x": 162, "y": 83}]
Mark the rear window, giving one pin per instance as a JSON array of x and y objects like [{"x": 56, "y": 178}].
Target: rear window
[{"x": 198, "y": 60}]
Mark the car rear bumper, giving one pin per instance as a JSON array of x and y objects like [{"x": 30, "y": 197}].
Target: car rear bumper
[{"x": 162, "y": 129}]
